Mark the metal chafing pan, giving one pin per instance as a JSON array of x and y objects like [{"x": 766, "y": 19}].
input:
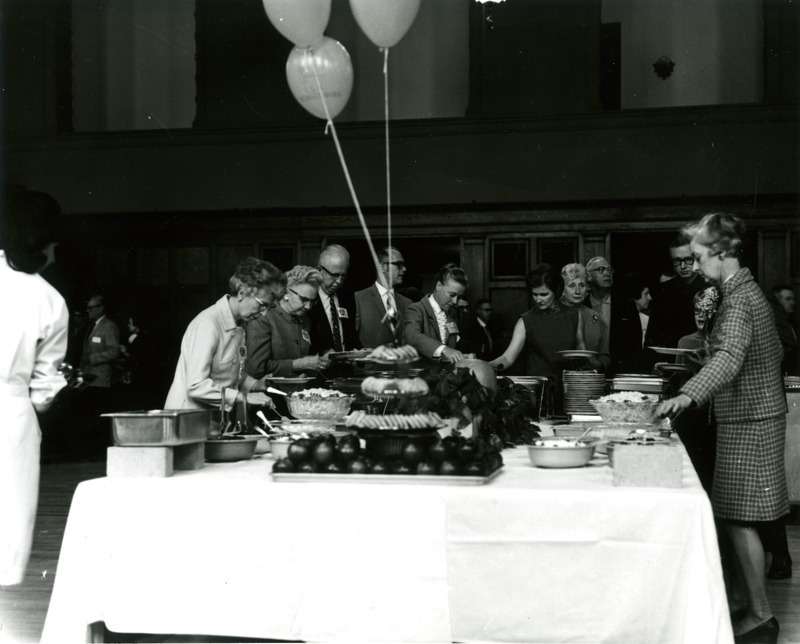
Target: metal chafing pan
[{"x": 160, "y": 427}]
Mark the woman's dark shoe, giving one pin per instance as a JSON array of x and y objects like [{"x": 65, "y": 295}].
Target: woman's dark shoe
[
  {"x": 738, "y": 615},
  {"x": 781, "y": 567},
  {"x": 766, "y": 633}
]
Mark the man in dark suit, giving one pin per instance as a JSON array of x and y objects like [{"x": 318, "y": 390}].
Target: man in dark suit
[
  {"x": 478, "y": 334},
  {"x": 380, "y": 310},
  {"x": 672, "y": 312},
  {"x": 430, "y": 325},
  {"x": 333, "y": 314},
  {"x": 621, "y": 318}
]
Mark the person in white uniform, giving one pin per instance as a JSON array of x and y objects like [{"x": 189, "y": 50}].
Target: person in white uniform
[{"x": 33, "y": 343}]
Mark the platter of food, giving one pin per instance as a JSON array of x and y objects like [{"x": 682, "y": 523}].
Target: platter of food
[
  {"x": 673, "y": 351},
  {"x": 404, "y": 479}
]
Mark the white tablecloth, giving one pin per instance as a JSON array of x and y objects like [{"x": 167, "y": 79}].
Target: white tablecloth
[{"x": 535, "y": 556}]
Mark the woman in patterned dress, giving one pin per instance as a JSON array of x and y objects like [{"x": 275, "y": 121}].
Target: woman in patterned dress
[{"x": 742, "y": 379}]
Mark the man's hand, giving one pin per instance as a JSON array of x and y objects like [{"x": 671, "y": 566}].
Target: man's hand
[{"x": 451, "y": 355}]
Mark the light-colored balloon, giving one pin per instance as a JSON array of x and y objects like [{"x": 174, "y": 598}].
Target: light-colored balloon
[
  {"x": 334, "y": 70},
  {"x": 301, "y": 21},
  {"x": 385, "y": 22}
]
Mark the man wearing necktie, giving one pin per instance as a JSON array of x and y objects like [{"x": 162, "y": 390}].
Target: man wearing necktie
[
  {"x": 332, "y": 315},
  {"x": 380, "y": 310},
  {"x": 430, "y": 325}
]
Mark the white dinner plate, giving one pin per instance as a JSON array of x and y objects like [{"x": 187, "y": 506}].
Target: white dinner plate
[
  {"x": 673, "y": 351},
  {"x": 577, "y": 353}
]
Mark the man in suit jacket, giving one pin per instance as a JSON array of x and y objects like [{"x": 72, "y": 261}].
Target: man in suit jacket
[
  {"x": 333, "y": 314},
  {"x": 380, "y": 311},
  {"x": 430, "y": 325},
  {"x": 672, "y": 312},
  {"x": 621, "y": 318},
  {"x": 101, "y": 351},
  {"x": 478, "y": 333}
]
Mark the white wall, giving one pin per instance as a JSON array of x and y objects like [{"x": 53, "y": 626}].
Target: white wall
[{"x": 716, "y": 46}]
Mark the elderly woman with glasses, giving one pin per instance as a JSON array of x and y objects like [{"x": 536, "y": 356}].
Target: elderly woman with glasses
[
  {"x": 595, "y": 332},
  {"x": 278, "y": 342},
  {"x": 742, "y": 378},
  {"x": 213, "y": 354}
]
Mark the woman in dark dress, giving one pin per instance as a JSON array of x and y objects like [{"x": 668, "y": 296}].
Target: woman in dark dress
[
  {"x": 544, "y": 330},
  {"x": 743, "y": 377}
]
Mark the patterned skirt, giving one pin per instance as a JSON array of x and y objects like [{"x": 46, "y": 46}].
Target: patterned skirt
[{"x": 750, "y": 475}]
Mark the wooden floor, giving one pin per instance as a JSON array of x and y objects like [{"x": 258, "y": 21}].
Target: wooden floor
[{"x": 23, "y": 608}]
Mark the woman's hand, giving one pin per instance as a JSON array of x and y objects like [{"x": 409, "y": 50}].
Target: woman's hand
[
  {"x": 311, "y": 363},
  {"x": 498, "y": 363},
  {"x": 674, "y": 406},
  {"x": 260, "y": 399}
]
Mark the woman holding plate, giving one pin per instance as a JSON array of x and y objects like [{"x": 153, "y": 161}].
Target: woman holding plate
[
  {"x": 546, "y": 329},
  {"x": 595, "y": 333},
  {"x": 278, "y": 342},
  {"x": 742, "y": 377},
  {"x": 213, "y": 346}
]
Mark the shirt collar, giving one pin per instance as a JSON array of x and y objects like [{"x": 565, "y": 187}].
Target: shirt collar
[
  {"x": 383, "y": 290},
  {"x": 435, "y": 306}
]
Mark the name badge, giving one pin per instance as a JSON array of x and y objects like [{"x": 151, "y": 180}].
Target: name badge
[
  {"x": 96, "y": 339},
  {"x": 343, "y": 313},
  {"x": 452, "y": 327},
  {"x": 306, "y": 337}
]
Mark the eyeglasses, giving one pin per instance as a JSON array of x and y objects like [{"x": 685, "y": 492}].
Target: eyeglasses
[
  {"x": 686, "y": 261},
  {"x": 603, "y": 269},
  {"x": 262, "y": 305},
  {"x": 93, "y": 306},
  {"x": 303, "y": 298},
  {"x": 399, "y": 265},
  {"x": 335, "y": 276}
]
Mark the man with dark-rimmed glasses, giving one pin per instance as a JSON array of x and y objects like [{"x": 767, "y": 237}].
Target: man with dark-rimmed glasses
[
  {"x": 333, "y": 314},
  {"x": 380, "y": 309},
  {"x": 672, "y": 310}
]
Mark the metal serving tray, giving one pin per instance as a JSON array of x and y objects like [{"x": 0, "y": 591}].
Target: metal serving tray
[
  {"x": 403, "y": 479},
  {"x": 159, "y": 427}
]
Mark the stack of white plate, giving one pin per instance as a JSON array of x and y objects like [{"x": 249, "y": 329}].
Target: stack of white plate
[
  {"x": 579, "y": 388},
  {"x": 639, "y": 382}
]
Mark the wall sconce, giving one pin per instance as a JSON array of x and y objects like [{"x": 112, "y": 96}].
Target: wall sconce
[{"x": 663, "y": 67}]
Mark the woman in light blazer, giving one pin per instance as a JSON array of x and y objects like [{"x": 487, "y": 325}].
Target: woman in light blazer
[{"x": 213, "y": 350}]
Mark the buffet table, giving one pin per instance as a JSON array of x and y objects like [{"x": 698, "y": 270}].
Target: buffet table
[{"x": 534, "y": 556}]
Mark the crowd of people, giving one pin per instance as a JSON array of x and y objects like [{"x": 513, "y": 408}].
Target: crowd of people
[{"x": 729, "y": 407}]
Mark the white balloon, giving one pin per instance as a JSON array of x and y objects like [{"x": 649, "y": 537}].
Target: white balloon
[
  {"x": 301, "y": 21},
  {"x": 385, "y": 22},
  {"x": 334, "y": 70}
]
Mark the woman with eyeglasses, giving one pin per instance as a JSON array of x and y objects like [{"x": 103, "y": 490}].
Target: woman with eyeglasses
[
  {"x": 278, "y": 342},
  {"x": 742, "y": 377},
  {"x": 213, "y": 349},
  {"x": 544, "y": 330}
]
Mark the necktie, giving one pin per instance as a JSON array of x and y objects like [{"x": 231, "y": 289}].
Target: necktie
[
  {"x": 337, "y": 336},
  {"x": 488, "y": 338},
  {"x": 391, "y": 313}
]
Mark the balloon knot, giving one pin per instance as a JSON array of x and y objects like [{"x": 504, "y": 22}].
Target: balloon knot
[{"x": 328, "y": 126}]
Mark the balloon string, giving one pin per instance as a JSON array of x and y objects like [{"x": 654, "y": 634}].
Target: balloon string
[
  {"x": 361, "y": 219},
  {"x": 386, "y": 121}
]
